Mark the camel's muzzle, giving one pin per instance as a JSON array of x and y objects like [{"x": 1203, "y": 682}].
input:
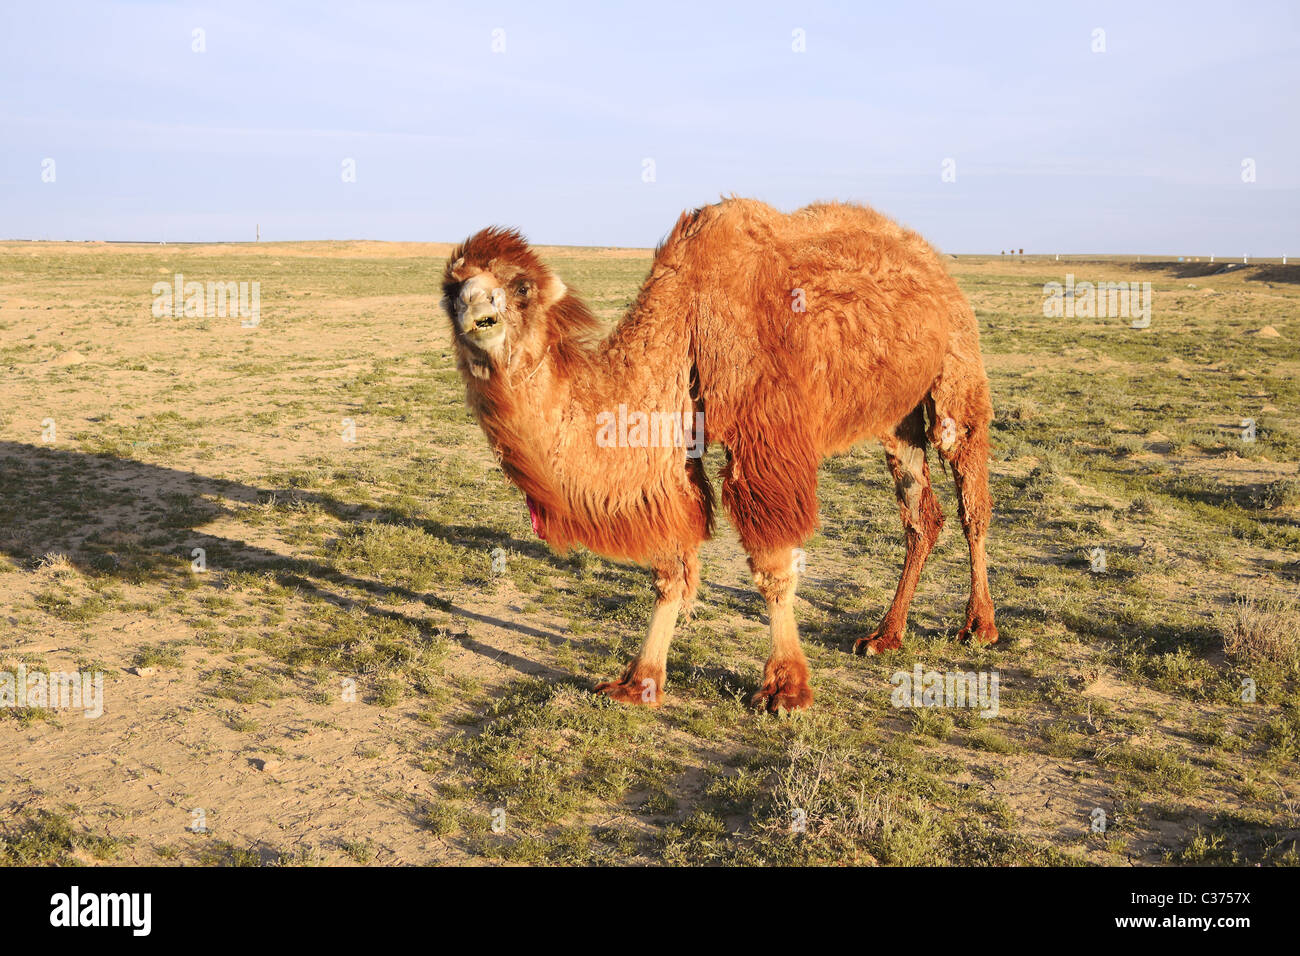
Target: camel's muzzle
[
  {"x": 473, "y": 322},
  {"x": 478, "y": 311}
]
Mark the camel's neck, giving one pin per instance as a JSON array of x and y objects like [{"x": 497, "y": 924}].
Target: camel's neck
[{"x": 551, "y": 423}]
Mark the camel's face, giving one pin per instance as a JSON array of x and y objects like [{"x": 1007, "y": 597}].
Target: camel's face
[
  {"x": 495, "y": 292},
  {"x": 480, "y": 312}
]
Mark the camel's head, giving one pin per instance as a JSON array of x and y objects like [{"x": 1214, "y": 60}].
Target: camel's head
[{"x": 496, "y": 291}]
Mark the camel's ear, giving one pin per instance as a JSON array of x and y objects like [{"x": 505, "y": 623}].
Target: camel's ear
[{"x": 554, "y": 290}]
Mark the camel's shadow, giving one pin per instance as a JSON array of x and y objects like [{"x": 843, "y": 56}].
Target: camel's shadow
[{"x": 120, "y": 518}]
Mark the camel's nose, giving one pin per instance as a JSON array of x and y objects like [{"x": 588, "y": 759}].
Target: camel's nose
[
  {"x": 471, "y": 293},
  {"x": 476, "y": 305}
]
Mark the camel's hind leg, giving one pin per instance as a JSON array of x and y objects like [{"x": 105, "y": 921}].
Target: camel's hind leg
[
  {"x": 922, "y": 520},
  {"x": 960, "y": 430},
  {"x": 675, "y": 581},
  {"x": 785, "y": 676}
]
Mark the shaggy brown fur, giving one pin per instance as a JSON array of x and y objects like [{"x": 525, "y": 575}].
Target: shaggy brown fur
[{"x": 886, "y": 347}]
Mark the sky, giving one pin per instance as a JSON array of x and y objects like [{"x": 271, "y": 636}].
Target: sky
[{"x": 985, "y": 126}]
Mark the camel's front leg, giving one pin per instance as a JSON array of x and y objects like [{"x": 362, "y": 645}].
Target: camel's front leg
[
  {"x": 785, "y": 676},
  {"x": 643, "y": 680}
]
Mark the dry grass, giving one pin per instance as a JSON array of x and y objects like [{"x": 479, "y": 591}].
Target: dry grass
[{"x": 1264, "y": 628}]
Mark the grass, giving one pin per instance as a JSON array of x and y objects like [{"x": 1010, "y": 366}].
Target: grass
[
  {"x": 378, "y": 612},
  {"x": 51, "y": 839},
  {"x": 1265, "y": 630}
]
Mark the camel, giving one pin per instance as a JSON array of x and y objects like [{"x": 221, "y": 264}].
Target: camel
[{"x": 784, "y": 337}]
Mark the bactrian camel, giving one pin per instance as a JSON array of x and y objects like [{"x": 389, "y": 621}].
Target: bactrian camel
[{"x": 790, "y": 337}]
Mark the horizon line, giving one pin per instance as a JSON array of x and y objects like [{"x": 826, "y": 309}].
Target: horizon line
[{"x": 1156, "y": 256}]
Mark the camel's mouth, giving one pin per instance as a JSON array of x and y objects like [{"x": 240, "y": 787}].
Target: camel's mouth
[{"x": 483, "y": 331}]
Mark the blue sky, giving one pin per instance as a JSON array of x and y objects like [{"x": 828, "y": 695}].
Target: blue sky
[{"x": 1056, "y": 148}]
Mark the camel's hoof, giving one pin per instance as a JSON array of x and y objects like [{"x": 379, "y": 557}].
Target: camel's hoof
[
  {"x": 644, "y": 689},
  {"x": 784, "y": 690},
  {"x": 978, "y": 631},
  {"x": 878, "y": 643}
]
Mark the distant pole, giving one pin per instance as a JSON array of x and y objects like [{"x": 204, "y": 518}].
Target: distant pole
[{"x": 259, "y": 233}]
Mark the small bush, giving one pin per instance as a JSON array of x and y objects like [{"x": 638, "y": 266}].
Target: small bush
[{"x": 1264, "y": 629}]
